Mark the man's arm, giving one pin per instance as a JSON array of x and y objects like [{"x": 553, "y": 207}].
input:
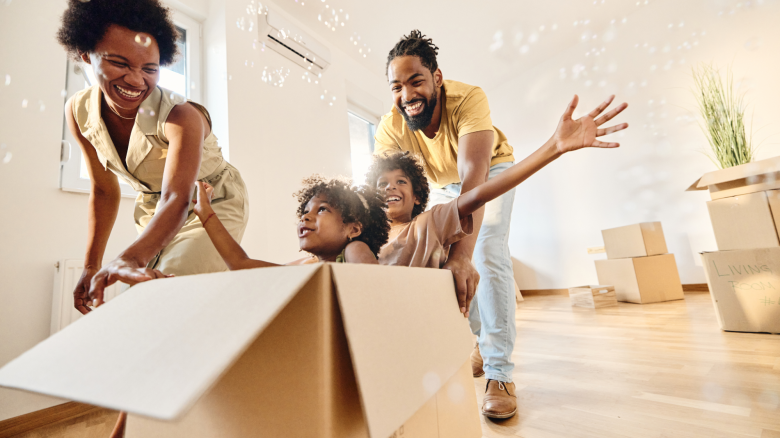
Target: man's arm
[{"x": 474, "y": 154}]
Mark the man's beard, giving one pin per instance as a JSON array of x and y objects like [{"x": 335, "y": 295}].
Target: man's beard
[{"x": 422, "y": 120}]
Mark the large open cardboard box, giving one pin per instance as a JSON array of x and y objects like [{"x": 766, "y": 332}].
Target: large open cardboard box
[
  {"x": 637, "y": 240},
  {"x": 330, "y": 350},
  {"x": 741, "y": 180},
  {"x": 745, "y": 289},
  {"x": 746, "y": 221},
  {"x": 642, "y": 280}
]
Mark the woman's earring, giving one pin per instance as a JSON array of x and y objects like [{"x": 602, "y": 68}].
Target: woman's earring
[{"x": 350, "y": 239}]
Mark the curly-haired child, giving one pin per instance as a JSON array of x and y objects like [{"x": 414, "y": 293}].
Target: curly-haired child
[
  {"x": 336, "y": 223},
  {"x": 422, "y": 238}
]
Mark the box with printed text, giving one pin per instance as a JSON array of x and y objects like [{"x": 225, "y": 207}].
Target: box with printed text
[{"x": 745, "y": 289}]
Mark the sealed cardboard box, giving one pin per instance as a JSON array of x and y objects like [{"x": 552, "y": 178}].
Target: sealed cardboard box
[
  {"x": 746, "y": 221},
  {"x": 638, "y": 240},
  {"x": 642, "y": 280},
  {"x": 747, "y": 178},
  {"x": 331, "y": 350},
  {"x": 593, "y": 297},
  {"x": 745, "y": 289}
]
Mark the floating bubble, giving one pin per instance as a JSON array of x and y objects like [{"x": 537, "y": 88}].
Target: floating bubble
[
  {"x": 151, "y": 113},
  {"x": 7, "y": 157},
  {"x": 7, "y": 79},
  {"x": 140, "y": 111},
  {"x": 524, "y": 49},
  {"x": 41, "y": 106},
  {"x": 143, "y": 40},
  {"x": 753, "y": 44},
  {"x": 24, "y": 103},
  {"x": 431, "y": 382},
  {"x": 64, "y": 92}
]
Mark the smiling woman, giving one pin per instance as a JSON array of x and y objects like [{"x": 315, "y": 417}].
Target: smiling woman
[{"x": 127, "y": 126}]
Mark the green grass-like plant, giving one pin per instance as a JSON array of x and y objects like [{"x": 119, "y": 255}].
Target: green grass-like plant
[{"x": 724, "y": 117}]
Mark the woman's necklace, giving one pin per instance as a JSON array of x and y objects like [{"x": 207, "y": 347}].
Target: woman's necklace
[{"x": 119, "y": 115}]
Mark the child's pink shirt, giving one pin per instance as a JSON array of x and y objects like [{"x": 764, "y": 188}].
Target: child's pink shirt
[{"x": 425, "y": 241}]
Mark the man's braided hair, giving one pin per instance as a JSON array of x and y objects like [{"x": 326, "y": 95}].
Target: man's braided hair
[
  {"x": 345, "y": 198},
  {"x": 415, "y": 44}
]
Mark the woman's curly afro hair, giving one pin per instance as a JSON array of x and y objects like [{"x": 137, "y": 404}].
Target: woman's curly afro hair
[
  {"x": 411, "y": 165},
  {"x": 343, "y": 197},
  {"x": 85, "y": 22}
]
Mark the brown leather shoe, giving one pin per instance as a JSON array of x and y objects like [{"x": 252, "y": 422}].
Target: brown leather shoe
[
  {"x": 476, "y": 363},
  {"x": 500, "y": 400}
]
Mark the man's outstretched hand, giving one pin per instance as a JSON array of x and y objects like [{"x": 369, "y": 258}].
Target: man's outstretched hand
[
  {"x": 584, "y": 132},
  {"x": 466, "y": 281}
]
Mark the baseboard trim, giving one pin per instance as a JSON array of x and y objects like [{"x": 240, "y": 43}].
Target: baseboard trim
[
  {"x": 45, "y": 417},
  {"x": 698, "y": 287},
  {"x": 531, "y": 292}
]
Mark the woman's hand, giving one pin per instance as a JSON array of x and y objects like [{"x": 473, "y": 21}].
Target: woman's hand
[
  {"x": 125, "y": 270},
  {"x": 583, "y": 132},
  {"x": 203, "y": 201},
  {"x": 81, "y": 299}
]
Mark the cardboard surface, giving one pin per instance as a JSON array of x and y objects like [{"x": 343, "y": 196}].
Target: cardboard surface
[
  {"x": 740, "y": 180},
  {"x": 593, "y": 297},
  {"x": 308, "y": 351},
  {"x": 156, "y": 349},
  {"x": 637, "y": 240},
  {"x": 745, "y": 289},
  {"x": 396, "y": 375},
  {"x": 745, "y": 221},
  {"x": 642, "y": 280},
  {"x": 295, "y": 380}
]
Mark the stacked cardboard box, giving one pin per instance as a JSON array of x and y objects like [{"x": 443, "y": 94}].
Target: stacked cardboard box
[
  {"x": 304, "y": 351},
  {"x": 744, "y": 274},
  {"x": 638, "y": 265}
]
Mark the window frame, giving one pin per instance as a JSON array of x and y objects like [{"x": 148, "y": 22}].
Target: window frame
[{"x": 71, "y": 155}]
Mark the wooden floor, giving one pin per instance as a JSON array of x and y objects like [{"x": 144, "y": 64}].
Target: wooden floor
[{"x": 653, "y": 370}]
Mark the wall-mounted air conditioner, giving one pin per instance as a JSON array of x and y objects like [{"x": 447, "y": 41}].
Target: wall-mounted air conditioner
[{"x": 282, "y": 36}]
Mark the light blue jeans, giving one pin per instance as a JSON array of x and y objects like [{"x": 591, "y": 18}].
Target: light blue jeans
[{"x": 492, "y": 311}]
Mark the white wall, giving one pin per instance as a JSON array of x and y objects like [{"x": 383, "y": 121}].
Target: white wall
[
  {"x": 278, "y": 136},
  {"x": 40, "y": 223},
  {"x": 560, "y": 212}
]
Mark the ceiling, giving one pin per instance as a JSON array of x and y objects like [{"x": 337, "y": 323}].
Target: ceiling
[{"x": 485, "y": 42}]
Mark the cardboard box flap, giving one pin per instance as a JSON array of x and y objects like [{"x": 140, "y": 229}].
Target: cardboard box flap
[
  {"x": 157, "y": 348},
  {"x": 770, "y": 165},
  {"x": 695, "y": 186},
  {"x": 404, "y": 344}
]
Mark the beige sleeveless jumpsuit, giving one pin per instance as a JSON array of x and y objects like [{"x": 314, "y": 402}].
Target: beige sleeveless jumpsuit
[{"x": 191, "y": 251}]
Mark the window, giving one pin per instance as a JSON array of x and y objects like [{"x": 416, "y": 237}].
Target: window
[
  {"x": 361, "y": 140},
  {"x": 74, "y": 176}
]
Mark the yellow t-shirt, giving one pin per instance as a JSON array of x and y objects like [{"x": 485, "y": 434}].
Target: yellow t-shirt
[{"x": 465, "y": 111}]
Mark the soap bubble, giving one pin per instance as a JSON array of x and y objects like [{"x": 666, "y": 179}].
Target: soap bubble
[
  {"x": 431, "y": 382},
  {"x": 7, "y": 80},
  {"x": 64, "y": 92},
  {"x": 7, "y": 157},
  {"x": 24, "y": 103},
  {"x": 456, "y": 393},
  {"x": 151, "y": 113},
  {"x": 753, "y": 44},
  {"x": 41, "y": 106},
  {"x": 143, "y": 40}
]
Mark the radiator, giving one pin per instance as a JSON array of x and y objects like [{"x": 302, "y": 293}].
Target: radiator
[{"x": 66, "y": 275}]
